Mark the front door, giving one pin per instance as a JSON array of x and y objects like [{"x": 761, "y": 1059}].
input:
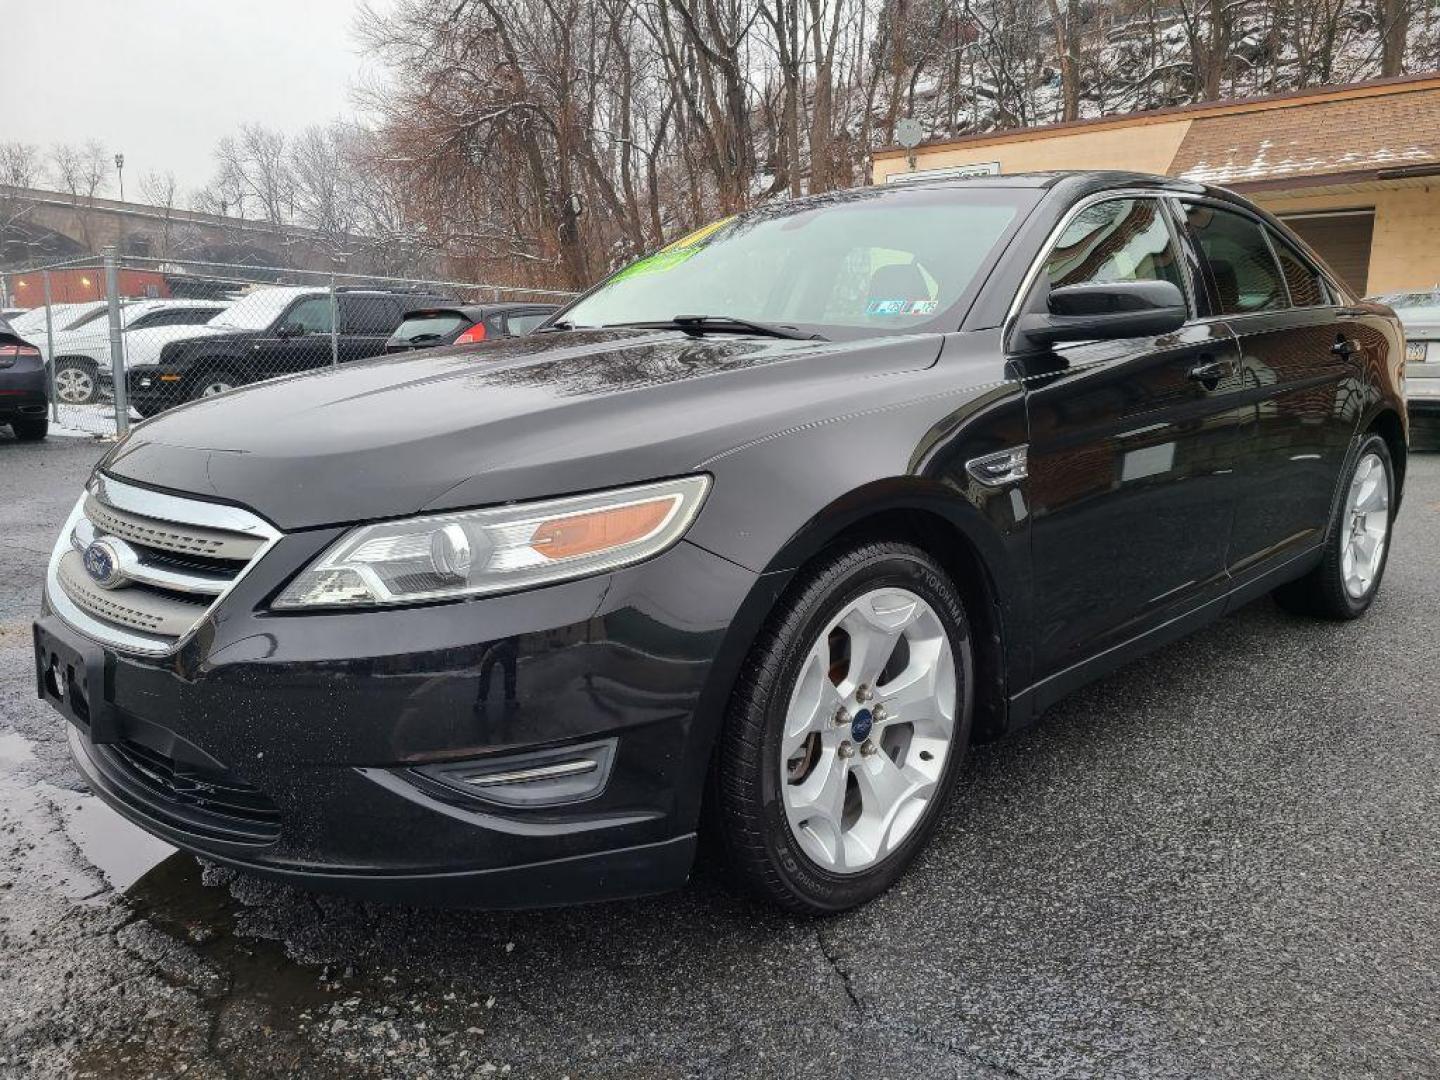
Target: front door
[
  {"x": 1133, "y": 452},
  {"x": 300, "y": 340}
]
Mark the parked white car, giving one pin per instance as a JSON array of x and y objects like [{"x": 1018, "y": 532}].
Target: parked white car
[
  {"x": 31, "y": 325},
  {"x": 82, "y": 352}
]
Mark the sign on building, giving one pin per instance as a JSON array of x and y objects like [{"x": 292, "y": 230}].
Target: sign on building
[{"x": 952, "y": 172}]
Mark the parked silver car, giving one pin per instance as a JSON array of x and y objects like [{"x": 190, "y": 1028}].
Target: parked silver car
[{"x": 1419, "y": 313}]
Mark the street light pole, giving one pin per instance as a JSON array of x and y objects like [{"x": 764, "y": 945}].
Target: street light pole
[{"x": 120, "y": 171}]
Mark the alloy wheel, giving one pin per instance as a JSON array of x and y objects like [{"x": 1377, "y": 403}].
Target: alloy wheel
[
  {"x": 868, "y": 730},
  {"x": 1367, "y": 521},
  {"x": 74, "y": 385}
]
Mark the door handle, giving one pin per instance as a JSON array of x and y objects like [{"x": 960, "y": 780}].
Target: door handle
[
  {"x": 1345, "y": 347},
  {"x": 1209, "y": 372}
]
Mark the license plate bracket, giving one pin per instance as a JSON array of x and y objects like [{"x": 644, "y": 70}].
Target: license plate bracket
[
  {"x": 77, "y": 678},
  {"x": 1415, "y": 352}
]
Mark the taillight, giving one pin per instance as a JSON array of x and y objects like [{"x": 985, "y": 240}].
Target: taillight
[{"x": 474, "y": 334}]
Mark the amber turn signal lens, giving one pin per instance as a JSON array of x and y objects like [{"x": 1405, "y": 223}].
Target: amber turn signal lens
[{"x": 600, "y": 530}]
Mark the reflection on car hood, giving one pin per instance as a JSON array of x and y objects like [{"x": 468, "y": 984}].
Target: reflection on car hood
[{"x": 514, "y": 419}]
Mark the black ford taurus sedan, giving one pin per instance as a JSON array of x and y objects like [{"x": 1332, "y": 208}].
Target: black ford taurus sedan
[{"x": 762, "y": 531}]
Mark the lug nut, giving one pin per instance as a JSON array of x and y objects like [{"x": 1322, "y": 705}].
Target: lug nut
[
  {"x": 842, "y": 717},
  {"x": 847, "y": 749},
  {"x": 880, "y": 714},
  {"x": 867, "y": 748},
  {"x": 863, "y": 693}
]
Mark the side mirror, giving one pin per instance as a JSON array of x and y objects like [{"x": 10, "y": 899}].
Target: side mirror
[
  {"x": 1104, "y": 311},
  {"x": 290, "y": 329}
]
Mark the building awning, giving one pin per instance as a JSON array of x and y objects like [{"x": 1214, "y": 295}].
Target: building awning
[{"x": 1344, "y": 141}]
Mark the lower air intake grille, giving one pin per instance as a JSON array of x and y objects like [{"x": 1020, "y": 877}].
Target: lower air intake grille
[{"x": 207, "y": 800}]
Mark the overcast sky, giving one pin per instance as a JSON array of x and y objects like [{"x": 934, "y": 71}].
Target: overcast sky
[{"x": 163, "y": 80}]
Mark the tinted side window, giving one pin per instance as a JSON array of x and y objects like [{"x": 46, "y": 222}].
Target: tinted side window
[
  {"x": 1118, "y": 240},
  {"x": 1242, "y": 271},
  {"x": 312, "y": 314},
  {"x": 378, "y": 315},
  {"x": 1307, "y": 289},
  {"x": 523, "y": 324}
]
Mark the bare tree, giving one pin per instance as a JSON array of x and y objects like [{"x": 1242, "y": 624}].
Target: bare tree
[
  {"x": 82, "y": 172},
  {"x": 160, "y": 191}
]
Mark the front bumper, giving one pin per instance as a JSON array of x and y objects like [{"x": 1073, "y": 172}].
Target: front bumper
[
  {"x": 1423, "y": 395},
  {"x": 311, "y": 728},
  {"x": 149, "y": 387}
]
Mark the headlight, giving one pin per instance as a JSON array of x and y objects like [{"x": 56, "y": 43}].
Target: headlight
[{"x": 497, "y": 550}]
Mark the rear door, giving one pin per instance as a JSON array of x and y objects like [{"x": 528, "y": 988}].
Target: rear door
[
  {"x": 1299, "y": 354},
  {"x": 366, "y": 322},
  {"x": 1133, "y": 450}
]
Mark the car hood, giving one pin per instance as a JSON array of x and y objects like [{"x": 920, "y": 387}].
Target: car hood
[
  {"x": 143, "y": 346},
  {"x": 514, "y": 419}
]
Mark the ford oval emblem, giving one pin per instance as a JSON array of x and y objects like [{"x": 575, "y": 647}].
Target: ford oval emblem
[{"x": 102, "y": 563}]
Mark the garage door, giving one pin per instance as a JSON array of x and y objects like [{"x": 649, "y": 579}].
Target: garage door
[{"x": 1342, "y": 238}]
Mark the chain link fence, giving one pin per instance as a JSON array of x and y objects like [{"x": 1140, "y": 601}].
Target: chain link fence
[{"x": 127, "y": 338}]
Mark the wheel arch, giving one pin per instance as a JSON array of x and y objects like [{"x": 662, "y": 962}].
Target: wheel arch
[
  {"x": 930, "y": 516},
  {"x": 1388, "y": 425}
]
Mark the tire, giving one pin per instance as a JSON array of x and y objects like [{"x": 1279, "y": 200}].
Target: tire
[
  {"x": 30, "y": 430},
  {"x": 1344, "y": 584},
  {"x": 212, "y": 381},
  {"x": 76, "y": 382},
  {"x": 857, "y": 844}
]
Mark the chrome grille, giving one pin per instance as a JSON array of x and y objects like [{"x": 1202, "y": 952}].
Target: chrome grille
[
  {"x": 177, "y": 558},
  {"x": 189, "y": 540}
]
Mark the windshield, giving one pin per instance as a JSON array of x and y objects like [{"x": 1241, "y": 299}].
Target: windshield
[
  {"x": 872, "y": 261},
  {"x": 85, "y": 316},
  {"x": 256, "y": 311}
]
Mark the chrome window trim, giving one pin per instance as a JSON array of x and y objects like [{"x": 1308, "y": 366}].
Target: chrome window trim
[
  {"x": 1037, "y": 266},
  {"x": 162, "y": 507}
]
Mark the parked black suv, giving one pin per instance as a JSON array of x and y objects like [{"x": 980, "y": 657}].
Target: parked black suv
[{"x": 272, "y": 331}]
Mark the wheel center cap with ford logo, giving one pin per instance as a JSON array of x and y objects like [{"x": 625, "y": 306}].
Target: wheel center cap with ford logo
[
  {"x": 861, "y": 724},
  {"x": 104, "y": 562}
]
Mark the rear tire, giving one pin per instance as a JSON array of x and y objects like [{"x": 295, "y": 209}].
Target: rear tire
[
  {"x": 818, "y": 810},
  {"x": 1357, "y": 547},
  {"x": 76, "y": 381},
  {"x": 30, "y": 430}
]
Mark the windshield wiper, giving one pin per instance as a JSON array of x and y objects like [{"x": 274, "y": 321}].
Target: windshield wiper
[
  {"x": 556, "y": 328},
  {"x": 696, "y": 325}
]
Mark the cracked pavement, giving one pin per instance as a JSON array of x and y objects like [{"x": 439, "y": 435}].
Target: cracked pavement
[{"x": 1219, "y": 862}]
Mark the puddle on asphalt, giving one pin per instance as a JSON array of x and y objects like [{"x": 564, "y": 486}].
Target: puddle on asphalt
[{"x": 122, "y": 852}]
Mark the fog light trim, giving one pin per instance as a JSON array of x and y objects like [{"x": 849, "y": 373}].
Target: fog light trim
[{"x": 554, "y": 777}]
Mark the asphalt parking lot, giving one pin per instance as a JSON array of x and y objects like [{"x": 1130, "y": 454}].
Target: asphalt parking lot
[{"x": 1223, "y": 861}]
